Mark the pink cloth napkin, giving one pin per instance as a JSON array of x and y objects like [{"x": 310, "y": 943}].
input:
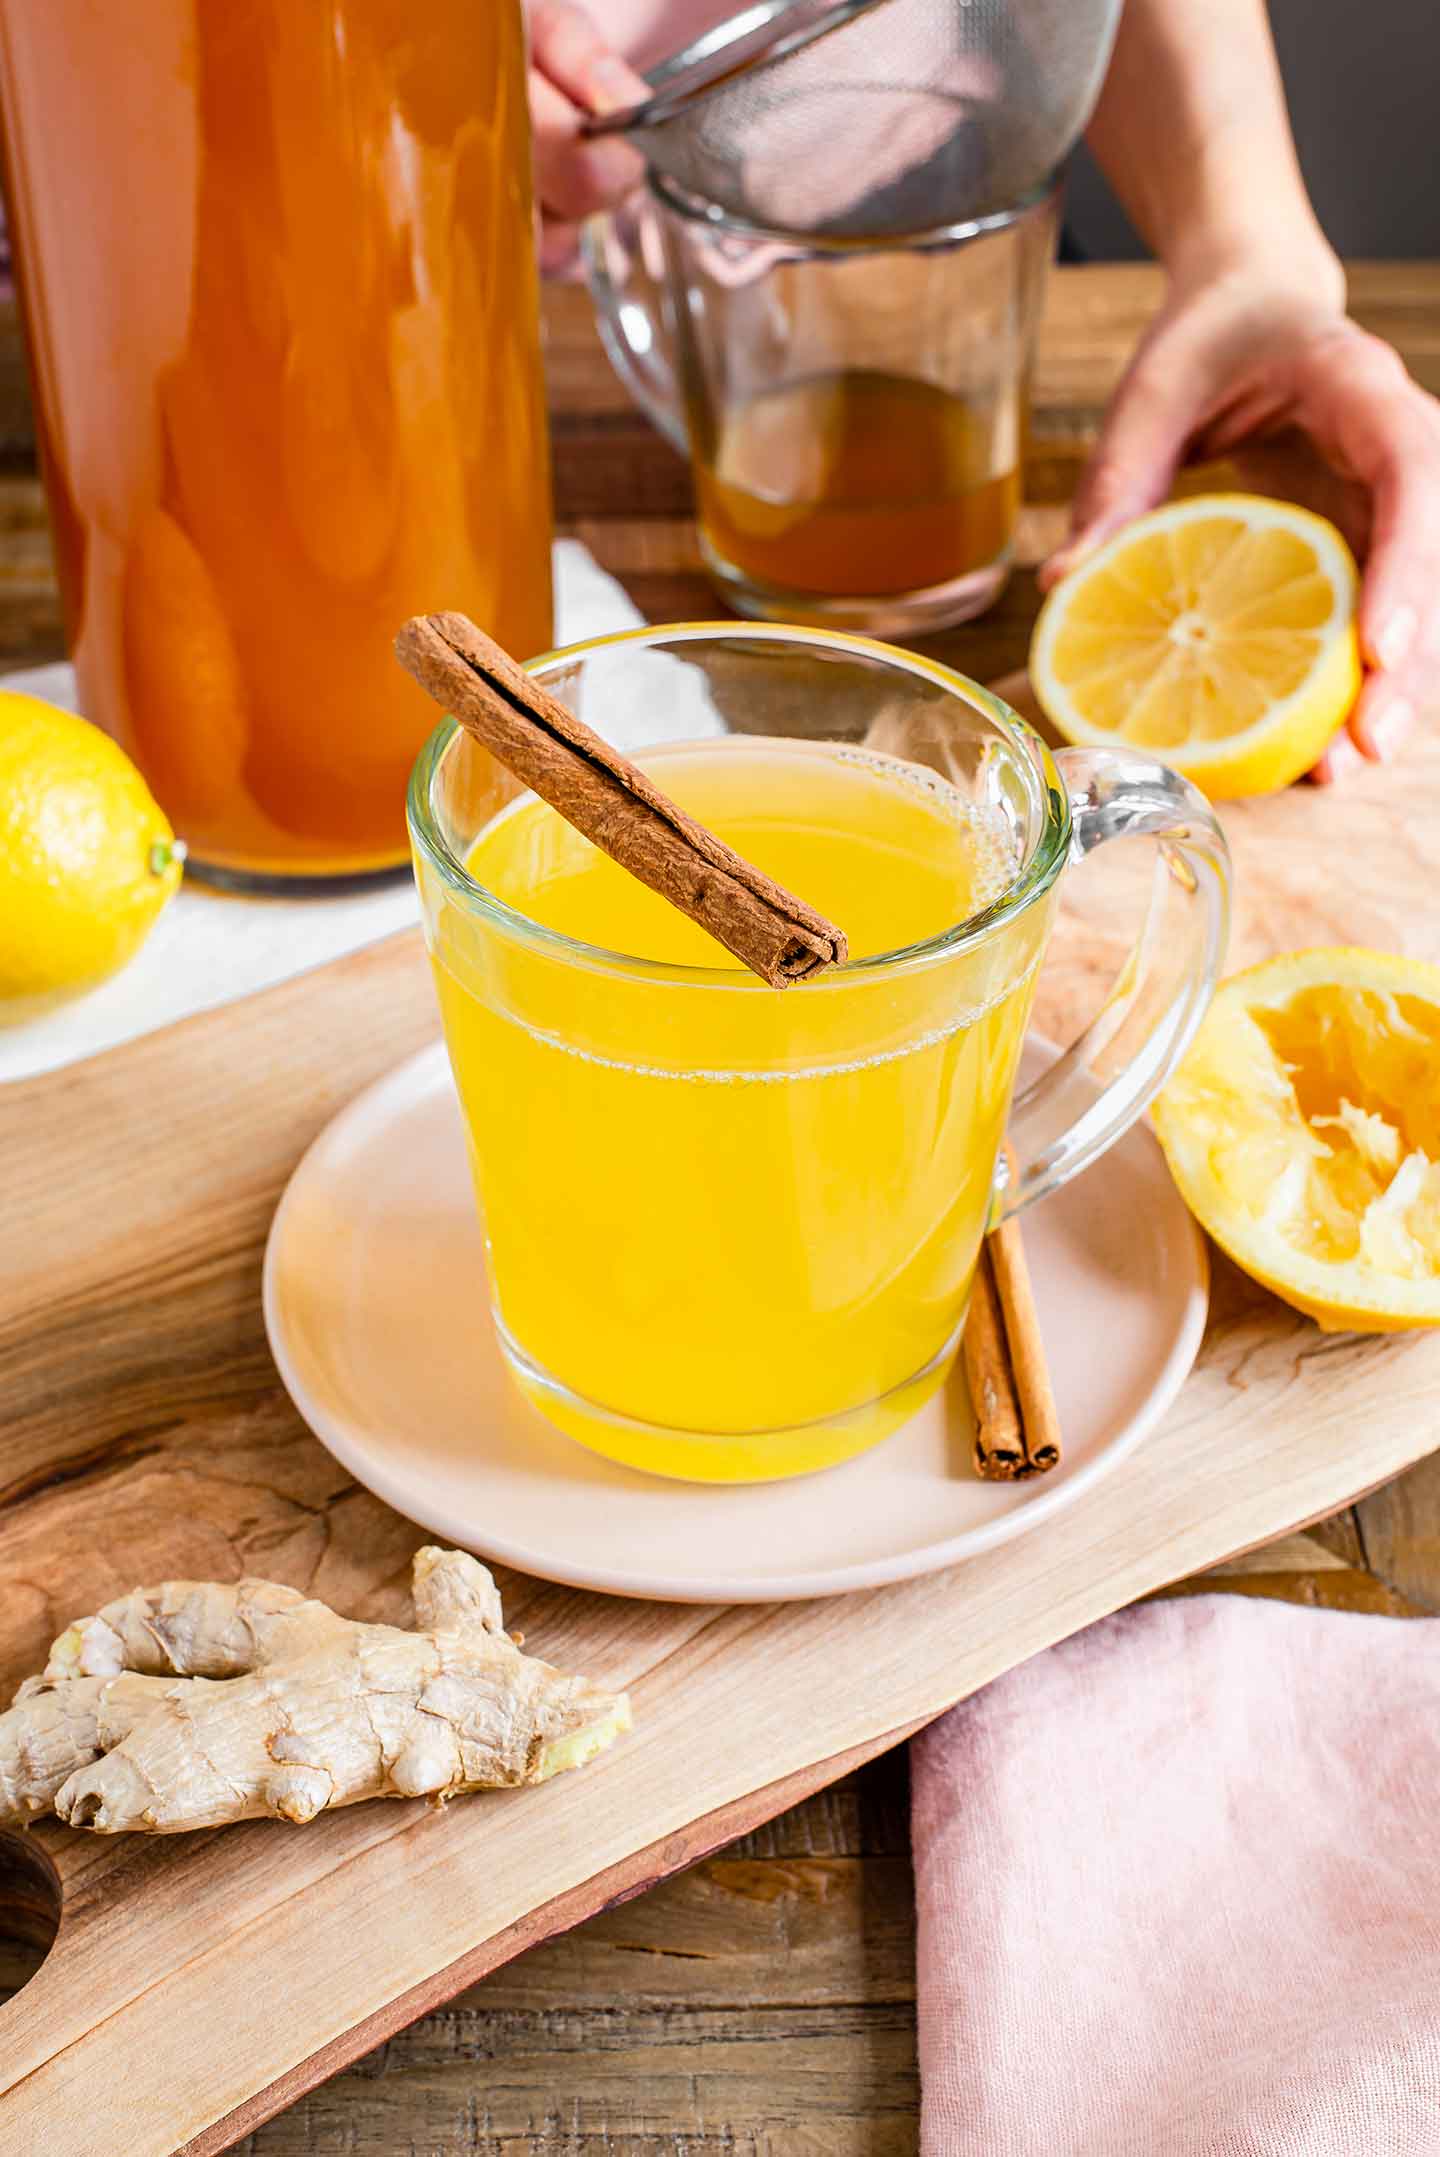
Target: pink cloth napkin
[{"x": 1178, "y": 1884}]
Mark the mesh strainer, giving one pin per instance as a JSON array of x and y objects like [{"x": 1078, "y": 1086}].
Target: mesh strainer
[{"x": 871, "y": 118}]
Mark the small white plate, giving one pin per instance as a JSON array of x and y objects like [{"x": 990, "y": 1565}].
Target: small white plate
[{"x": 377, "y": 1311}]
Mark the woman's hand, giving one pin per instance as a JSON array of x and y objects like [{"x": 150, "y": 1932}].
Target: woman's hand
[
  {"x": 1310, "y": 406},
  {"x": 574, "y": 72}
]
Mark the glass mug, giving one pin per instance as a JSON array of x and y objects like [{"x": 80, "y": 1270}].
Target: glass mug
[
  {"x": 854, "y": 411},
  {"x": 730, "y": 1231},
  {"x": 279, "y": 287}
]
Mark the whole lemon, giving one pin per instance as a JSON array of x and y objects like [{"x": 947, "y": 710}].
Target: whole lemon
[{"x": 87, "y": 860}]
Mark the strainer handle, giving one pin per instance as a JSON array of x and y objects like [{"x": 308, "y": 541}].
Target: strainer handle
[
  {"x": 634, "y": 311},
  {"x": 1097, "y": 1089}
]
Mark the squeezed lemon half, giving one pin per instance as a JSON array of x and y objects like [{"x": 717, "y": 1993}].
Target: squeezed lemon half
[
  {"x": 1303, "y": 1130},
  {"x": 1216, "y": 633}
]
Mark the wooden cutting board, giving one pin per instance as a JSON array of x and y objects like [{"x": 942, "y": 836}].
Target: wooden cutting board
[{"x": 198, "y": 1985}]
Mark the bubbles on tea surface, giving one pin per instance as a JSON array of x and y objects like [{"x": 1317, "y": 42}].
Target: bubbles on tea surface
[
  {"x": 892, "y": 849},
  {"x": 993, "y": 849},
  {"x": 932, "y": 1037}
]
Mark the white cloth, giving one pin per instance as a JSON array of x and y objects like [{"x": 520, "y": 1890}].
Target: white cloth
[{"x": 207, "y": 949}]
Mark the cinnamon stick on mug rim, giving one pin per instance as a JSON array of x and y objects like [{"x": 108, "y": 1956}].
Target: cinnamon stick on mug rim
[{"x": 610, "y": 799}]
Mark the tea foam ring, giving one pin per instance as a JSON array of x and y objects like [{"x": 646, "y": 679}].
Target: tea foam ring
[{"x": 928, "y": 1040}]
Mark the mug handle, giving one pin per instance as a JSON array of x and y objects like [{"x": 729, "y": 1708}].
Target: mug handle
[
  {"x": 1098, "y": 1088},
  {"x": 622, "y": 255}
]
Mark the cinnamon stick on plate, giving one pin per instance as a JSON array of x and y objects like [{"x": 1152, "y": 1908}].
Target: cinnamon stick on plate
[
  {"x": 612, "y": 802},
  {"x": 1017, "y": 1426}
]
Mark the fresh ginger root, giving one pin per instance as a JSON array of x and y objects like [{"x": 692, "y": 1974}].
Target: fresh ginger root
[{"x": 192, "y": 1704}]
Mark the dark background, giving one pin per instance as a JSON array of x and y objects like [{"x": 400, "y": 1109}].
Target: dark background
[{"x": 1363, "y": 79}]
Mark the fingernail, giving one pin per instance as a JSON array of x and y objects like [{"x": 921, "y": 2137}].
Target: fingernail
[
  {"x": 1396, "y": 638},
  {"x": 612, "y": 84},
  {"x": 1065, "y": 558},
  {"x": 1341, "y": 761},
  {"x": 1390, "y": 725}
]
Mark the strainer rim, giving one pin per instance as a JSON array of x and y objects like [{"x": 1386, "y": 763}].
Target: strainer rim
[
  {"x": 698, "y": 209},
  {"x": 671, "y": 94}
]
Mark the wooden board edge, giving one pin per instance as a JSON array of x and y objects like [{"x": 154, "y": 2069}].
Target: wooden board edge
[
  {"x": 620, "y": 1883},
  {"x": 1312, "y": 1520}
]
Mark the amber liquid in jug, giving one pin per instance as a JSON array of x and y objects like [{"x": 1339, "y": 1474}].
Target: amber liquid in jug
[
  {"x": 857, "y": 482},
  {"x": 277, "y": 269}
]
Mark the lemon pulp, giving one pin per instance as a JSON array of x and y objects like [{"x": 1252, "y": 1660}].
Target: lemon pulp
[{"x": 1304, "y": 1130}]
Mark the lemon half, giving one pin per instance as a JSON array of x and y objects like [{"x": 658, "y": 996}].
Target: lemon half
[
  {"x": 1217, "y": 633},
  {"x": 1303, "y": 1129}
]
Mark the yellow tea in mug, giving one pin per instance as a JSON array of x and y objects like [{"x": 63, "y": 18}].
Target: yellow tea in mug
[{"x": 720, "y": 1217}]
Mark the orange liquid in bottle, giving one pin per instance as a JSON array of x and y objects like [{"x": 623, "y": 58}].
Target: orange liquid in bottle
[
  {"x": 277, "y": 269},
  {"x": 858, "y": 483}
]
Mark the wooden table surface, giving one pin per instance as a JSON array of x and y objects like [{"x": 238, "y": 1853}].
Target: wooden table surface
[{"x": 760, "y": 2005}]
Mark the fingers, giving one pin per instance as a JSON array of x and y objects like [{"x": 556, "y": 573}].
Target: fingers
[
  {"x": 1399, "y": 615},
  {"x": 569, "y": 51},
  {"x": 1158, "y": 406},
  {"x": 1383, "y": 717},
  {"x": 558, "y": 245},
  {"x": 1340, "y": 762},
  {"x": 573, "y": 178},
  {"x": 1380, "y": 426},
  {"x": 1399, "y": 611},
  {"x": 1405, "y": 647},
  {"x": 574, "y": 72}
]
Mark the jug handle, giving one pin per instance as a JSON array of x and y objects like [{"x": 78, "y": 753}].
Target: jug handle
[{"x": 620, "y": 251}]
